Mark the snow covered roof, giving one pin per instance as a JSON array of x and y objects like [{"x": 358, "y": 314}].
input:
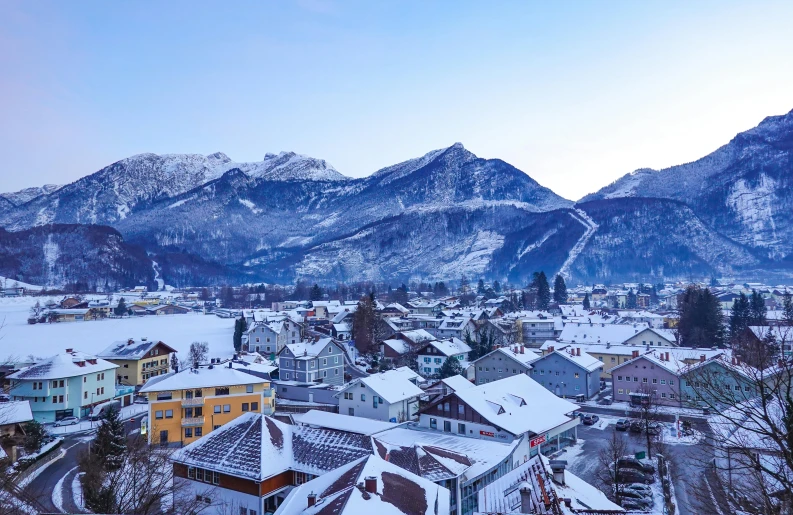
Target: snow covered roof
[
  {"x": 399, "y": 346},
  {"x": 437, "y": 455},
  {"x": 585, "y": 361},
  {"x": 15, "y": 412},
  {"x": 342, "y": 328},
  {"x": 255, "y": 446},
  {"x": 577, "y": 332},
  {"x": 525, "y": 358},
  {"x": 595, "y": 349},
  {"x": 535, "y": 476},
  {"x": 450, "y": 346},
  {"x": 201, "y": 377},
  {"x": 657, "y": 358},
  {"x": 308, "y": 349},
  {"x": 397, "y": 492},
  {"x": 131, "y": 349},
  {"x": 68, "y": 364},
  {"x": 393, "y": 385},
  {"x": 518, "y": 404},
  {"x": 360, "y": 425},
  {"x": 417, "y": 335},
  {"x": 457, "y": 382}
]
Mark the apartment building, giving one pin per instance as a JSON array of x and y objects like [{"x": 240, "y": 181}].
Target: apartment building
[
  {"x": 189, "y": 404},
  {"x": 138, "y": 360}
]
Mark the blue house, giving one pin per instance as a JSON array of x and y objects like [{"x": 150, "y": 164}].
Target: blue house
[{"x": 568, "y": 372}]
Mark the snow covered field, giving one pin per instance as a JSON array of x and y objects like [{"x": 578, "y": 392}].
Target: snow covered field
[{"x": 19, "y": 339}]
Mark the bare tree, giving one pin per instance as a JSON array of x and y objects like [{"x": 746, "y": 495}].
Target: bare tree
[
  {"x": 646, "y": 412},
  {"x": 198, "y": 353},
  {"x": 608, "y": 472}
]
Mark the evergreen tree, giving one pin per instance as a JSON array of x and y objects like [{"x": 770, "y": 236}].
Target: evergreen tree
[
  {"x": 316, "y": 292},
  {"x": 540, "y": 284},
  {"x": 630, "y": 303},
  {"x": 480, "y": 287},
  {"x": 559, "y": 290},
  {"x": 787, "y": 309},
  {"x": 121, "y": 308},
  {"x": 496, "y": 286},
  {"x": 34, "y": 436},
  {"x": 700, "y": 323},
  {"x": 451, "y": 367},
  {"x": 586, "y": 301},
  {"x": 364, "y": 321},
  {"x": 174, "y": 363},
  {"x": 240, "y": 326},
  {"x": 739, "y": 316},
  {"x": 110, "y": 443},
  {"x": 757, "y": 309},
  {"x": 400, "y": 295}
]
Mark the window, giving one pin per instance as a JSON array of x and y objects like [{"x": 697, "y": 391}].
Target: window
[
  {"x": 688, "y": 383},
  {"x": 85, "y": 379},
  {"x": 480, "y": 369},
  {"x": 737, "y": 388},
  {"x": 55, "y": 383},
  {"x": 169, "y": 413},
  {"x": 191, "y": 472},
  {"x": 98, "y": 376},
  {"x": 287, "y": 375},
  {"x": 85, "y": 395},
  {"x": 324, "y": 361},
  {"x": 557, "y": 372},
  {"x": 217, "y": 409},
  {"x": 60, "y": 398},
  {"x": 671, "y": 396},
  {"x": 158, "y": 414},
  {"x": 215, "y": 427},
  {"x": 227, "y": 408},
  {"x": 245, "y": 406},
  {"x": 576, "y": 375},
  {"x": 577, "y": 387},
  {"x": 103, "y": 390},
  {"x": 363, "y": 397},
  {"x": 671, "y": 382},
  {"x": 619, "y": 391},
  {"x": 612, "y": 360},
  {"x": 434, "y": 423},
  {"x": 644, "y": 380},
  {"x": 663, "y": 395},
  {"x": 427, "y": 360},
  {"x": 254, "y": 406},
  {"x": 249, "y": 388},
  {"x": 222, "y": 391},
  {"x": 60, "y": 383},
  {"x": 746, "y": 388},
  {"x": 188, "y": 432},
  {"x": 461, "y": 429},
  {"x": 461, "y": 409},
  {"x": 663, "y": 381},
  {"x": 447, "y": 426},
  {"x": 635, "y": 379},
  {"x": 619, "y": 378},
  {"x": 351, "y": 412},
  {"x": 336, "y": 360},
  {"x": 655, "y": 381}
]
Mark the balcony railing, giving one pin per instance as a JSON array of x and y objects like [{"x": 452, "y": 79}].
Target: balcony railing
[
  {"x": 192, "y": 421},
  {"x": 268, "y": 392},
  {"x": 195, "y": 401},
  {"x": 267, "y": 410}
]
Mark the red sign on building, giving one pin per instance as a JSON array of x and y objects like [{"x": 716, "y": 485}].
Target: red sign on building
[
  {"x": 486, "y": 433},
  {"x": 534, "y": 442}
]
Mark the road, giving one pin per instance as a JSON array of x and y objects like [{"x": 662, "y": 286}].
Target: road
[
  {"x": 54, "y": 485},
  {"x": 686, "y": 462}
]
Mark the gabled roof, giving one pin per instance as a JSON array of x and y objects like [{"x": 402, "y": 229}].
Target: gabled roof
[
  {"x": 399, "y": 346},
  {"x": 449, "y": 346},
  {"x": 309, "y": 349},
  {"x": 201, "y": 377},
  {"x": 578, "y": 332},
  {"x": 517, "y": 404},
  {"x": 457, "y": 382},
  {"x": 524, "y": 358},
  {"x": 398, "y": 492},
  {"x": 360, "y": 425},
  {"x": 657, "y": 358},
  {"x": 584, "y": 361},
  {"x": 392, "y": 385},
  {"x": 417, "y": 335},
  {"x": 15, "y": 412},
  {"x": 67, "y": 364},
  {"x": 131, "y": 349}
]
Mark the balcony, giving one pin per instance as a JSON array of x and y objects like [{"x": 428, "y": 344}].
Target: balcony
[
  {"x": 268, "y": 392},
  {"x": 267, "y": 410},
  {"x": 194, "y": 401},
  {"x": 192, "y": 421}
]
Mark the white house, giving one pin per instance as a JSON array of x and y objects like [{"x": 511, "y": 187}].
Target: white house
[
  {"x": 432, "y": 354},
  {"x": 391, "y": 396}
]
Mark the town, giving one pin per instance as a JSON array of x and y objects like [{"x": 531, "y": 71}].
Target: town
[{"x": 456, "y": 397}]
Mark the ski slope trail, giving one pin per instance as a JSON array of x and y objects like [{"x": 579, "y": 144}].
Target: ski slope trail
[{"x": 580, "y": 216}]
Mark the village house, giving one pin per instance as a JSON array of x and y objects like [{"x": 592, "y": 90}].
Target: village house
[
  {"x": 138, "y": 360},
  {"x": 13, "y": 416},
  {"x": 167, "y": 309},
  {"x": 568, "y": 372},
  {"x": 653, "y": 375},
  {"x": 432, "y": 354},
  {"x": 513, "y": 408},
  {"x": 65, "y": 385},
  {"x": 321, "y": 360},
  {"x": 503, "y": 362},
  {"x": 269, "y": 337},
  {"x": 186, "y": 405},
  {"x": 391, "y": 396}
]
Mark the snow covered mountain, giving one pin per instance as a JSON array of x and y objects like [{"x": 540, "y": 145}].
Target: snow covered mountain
[
  {"x": 742, "y": 190},
  {"x": 26, "y": 195}
]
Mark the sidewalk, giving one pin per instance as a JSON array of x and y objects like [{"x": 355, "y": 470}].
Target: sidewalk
[{"x": 87, "y": 426}]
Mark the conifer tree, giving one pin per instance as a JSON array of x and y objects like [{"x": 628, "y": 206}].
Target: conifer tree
[
  {"x": 586, "y": 302},
  {"x": 700, "y": 323},
  {"x": 110, "y": 443},
  {"x": 451, "y": 367},
  {"x": 540, "y": 285},
  {"x": 757, "y": 309},
  {"x": 739, "y": 316},
  {"x": 787, "y": 309},
  {"x": 559, "y": 290}
]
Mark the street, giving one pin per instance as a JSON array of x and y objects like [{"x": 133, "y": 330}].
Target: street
[
  {"x": 686, "y": 462},
  {"x": 53, "y": 486}
]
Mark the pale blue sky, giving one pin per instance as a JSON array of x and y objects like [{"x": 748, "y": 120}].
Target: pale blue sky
[{"x": 573, "y": 93}]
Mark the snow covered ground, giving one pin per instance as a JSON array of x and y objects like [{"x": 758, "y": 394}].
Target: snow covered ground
[
  {"x": 19, "y": 339},
  {"x": 87, "y": 425}
]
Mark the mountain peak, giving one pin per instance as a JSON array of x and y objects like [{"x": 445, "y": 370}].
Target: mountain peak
[{"x": 219, "y": 157}]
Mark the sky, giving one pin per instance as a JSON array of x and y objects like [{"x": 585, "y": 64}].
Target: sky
[{"x": 574, "y": 93}]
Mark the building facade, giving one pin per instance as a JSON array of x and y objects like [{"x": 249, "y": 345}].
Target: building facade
[
  {"x": 307, "y": 362},
  {"x": 568, "y": 373},
  {"x": 138, "y": 360}
]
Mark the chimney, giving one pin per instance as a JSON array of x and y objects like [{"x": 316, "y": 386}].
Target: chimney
[
  {"x": 578, "y": 351},
  {"x": 701, "y": 357},
  {"x": 550, "y": 349},
  {"x": 312, "y": 499},
  {"x": 557, "y": 468},
  {"x": 608, "y": 345},
  {"x": 634, "y": 354},
  {"x": 568, "y": 502},
  {"x": 230, "y": 364},
  {"x": 69, "y": 350},
  {"x": 522, "y": 348},
  {"x": 370, "y": 484},
  {"x": 667, "y": 356}
]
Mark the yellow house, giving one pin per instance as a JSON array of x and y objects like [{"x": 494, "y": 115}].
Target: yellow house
[
  {"x": 189, "y": 404},
  {"x": 138, "y": 360}
]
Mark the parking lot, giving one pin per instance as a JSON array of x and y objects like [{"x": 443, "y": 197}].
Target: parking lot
[{"x": 685, "y": 456}]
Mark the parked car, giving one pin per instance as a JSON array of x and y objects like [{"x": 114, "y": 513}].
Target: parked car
[
  {"x": 638, "y": 487},
  {"x": 622, "y": 424},
  {"x": 4, "y": 397},
  {"x": 636, "y": 426},
  {"x": 633, "y": 463},
  {"x": 67, "y": 421},
  {"x": 654, "y": 428},
  {"x": 628, "y": 475},
  {"x": 590, "y": 419},
  {"x": 140, "y": 399},
  {"x": 606, "y": 401},
  {"x": 578, "y": 414},
  {"x": 637, "y": 504},
  {"x": 636, "y": 494}
]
